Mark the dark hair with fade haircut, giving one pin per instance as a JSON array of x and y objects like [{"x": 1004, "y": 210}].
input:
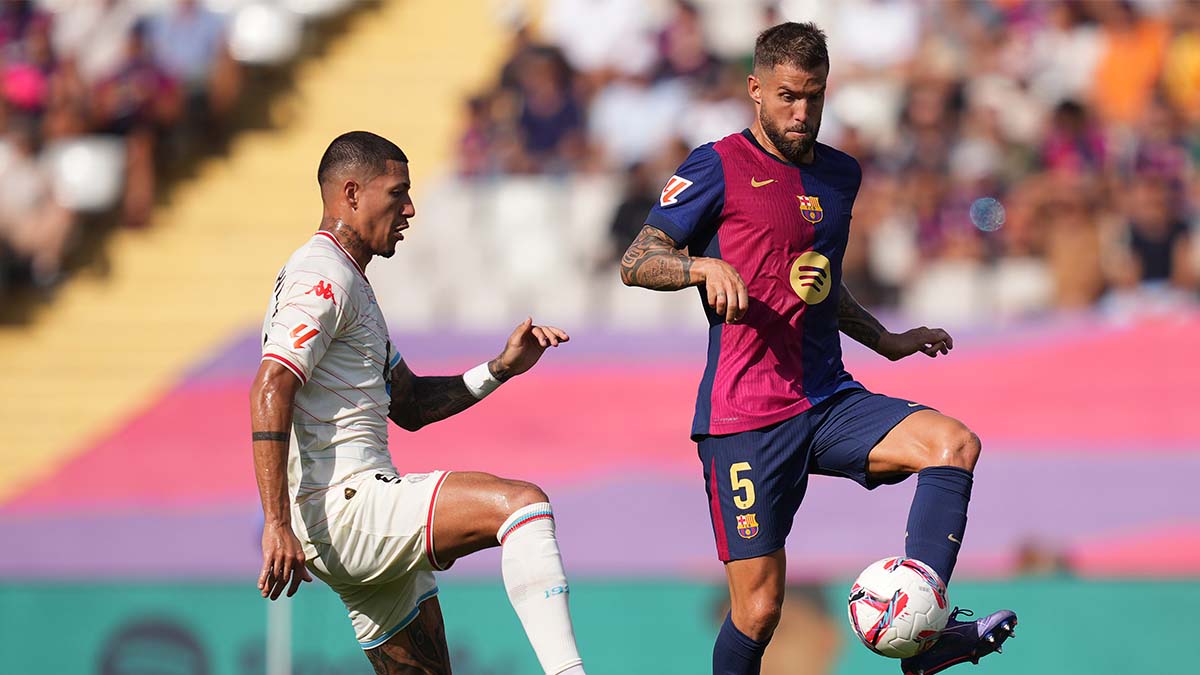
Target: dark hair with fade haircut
[
  {"x": 358, "y": 149},
  {"x": 797, "y": 44}
]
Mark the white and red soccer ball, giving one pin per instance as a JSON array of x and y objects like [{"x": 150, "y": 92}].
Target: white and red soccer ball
[{"x": 898, "y": 607}]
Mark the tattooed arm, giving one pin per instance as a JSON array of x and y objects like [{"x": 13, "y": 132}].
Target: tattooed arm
[
  {"x": 656, "y": 262},
  {"x": 858, "y": 323},
  {"x": 417, "y": 401}
]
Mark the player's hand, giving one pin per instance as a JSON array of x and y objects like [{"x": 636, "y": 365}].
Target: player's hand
[
  {"x": 726, "y": 290},
  {"x": 524, "y": 347},
  {"x": 283, "y": 561},
  {"x": 928, "y": 341}
]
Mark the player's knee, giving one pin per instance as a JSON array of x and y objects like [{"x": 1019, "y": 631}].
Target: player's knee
[
  {"x": 957, "y": 446},
  {"x": 759, "y": 616},
  {"x": 522, "y": 494}
]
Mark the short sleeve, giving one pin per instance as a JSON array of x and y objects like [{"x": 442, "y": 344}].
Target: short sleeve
[
  {"x": 692, "y": 198},
  {"x": 856, "y": 172},
  {"x": 855, "y": 183},
  {"x": 308, "y": 314}
]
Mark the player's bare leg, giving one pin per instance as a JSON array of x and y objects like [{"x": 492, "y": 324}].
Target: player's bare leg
[
  {"x": 942, "y": 452},
  {"x": 419, "y": 649},
  {"x": 923, "y": 439},
  {"x": 475, "y": 511},
  {"x": 756, "y": 593},
  {"x": 471, "y": 507},
  {"x": 756, "y": 588}
]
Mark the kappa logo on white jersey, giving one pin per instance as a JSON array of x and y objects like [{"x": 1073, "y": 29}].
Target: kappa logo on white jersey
[
  {"x": 674, "y": 188},
  {"x": 322, "y": 290}
]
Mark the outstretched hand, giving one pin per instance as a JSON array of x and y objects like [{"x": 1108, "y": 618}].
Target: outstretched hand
[
  {"x": 524, "y": 347},
  {"x": 928, "y": 341}
]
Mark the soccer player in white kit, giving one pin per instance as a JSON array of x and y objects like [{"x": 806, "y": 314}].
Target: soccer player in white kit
[{"x": 330, "y": 373}]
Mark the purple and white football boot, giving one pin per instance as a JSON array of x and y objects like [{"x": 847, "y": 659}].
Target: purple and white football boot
[{"x": 963, "y": 641}]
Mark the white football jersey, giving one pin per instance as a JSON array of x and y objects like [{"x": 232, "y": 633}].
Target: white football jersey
[{"x": 324, "y": 325}]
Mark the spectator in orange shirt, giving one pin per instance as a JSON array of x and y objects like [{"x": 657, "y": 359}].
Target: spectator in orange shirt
[{"x": 1129, "y": 68}]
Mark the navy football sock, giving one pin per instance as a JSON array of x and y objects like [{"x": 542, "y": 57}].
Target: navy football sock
[
  {"x": 938, "y": 517},
  {"x": 735, "y": 653}
]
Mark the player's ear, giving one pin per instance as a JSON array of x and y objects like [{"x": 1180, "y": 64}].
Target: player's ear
[
  {"x": 754, "y": 87},
  {"x": 351, "y": 190}
]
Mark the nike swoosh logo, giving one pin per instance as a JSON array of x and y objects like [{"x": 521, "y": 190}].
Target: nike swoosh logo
[
  {"x": 755, "y": 183},
  {"x": 951, "y": 538},
  {"x": 913, "y": 405}
]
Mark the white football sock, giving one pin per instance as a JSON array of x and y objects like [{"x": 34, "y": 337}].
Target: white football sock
[{"x": 537, "y": 587}]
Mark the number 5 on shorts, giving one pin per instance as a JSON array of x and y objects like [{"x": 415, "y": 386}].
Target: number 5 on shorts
[{"x": 741, "y": 484}]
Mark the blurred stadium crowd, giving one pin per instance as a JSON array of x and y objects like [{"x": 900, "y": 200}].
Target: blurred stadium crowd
[
  {"x": 99, "y": 97},
  {"x": 1083, "y": 118}
]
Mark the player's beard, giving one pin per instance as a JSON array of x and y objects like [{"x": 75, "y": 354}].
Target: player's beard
[{"x": 794, "y": 150}]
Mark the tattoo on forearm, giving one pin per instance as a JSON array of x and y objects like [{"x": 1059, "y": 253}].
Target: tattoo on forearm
[
  {"x": 857, "y": 322},
  {"x": 653, "y": 262},
  {"x": 417, "y": 401},
  {"x": 420, "y": 649},
  {"x": 281, "y": 436},
  {"x": 442, "y": 396}
]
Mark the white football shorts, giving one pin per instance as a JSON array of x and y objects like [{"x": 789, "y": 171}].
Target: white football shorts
[{"x": 371, "y": 539}]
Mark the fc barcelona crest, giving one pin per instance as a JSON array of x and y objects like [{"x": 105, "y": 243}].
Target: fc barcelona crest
[
  {"x": 747, "y": 525},
  {"x": 810, "y": 208}
]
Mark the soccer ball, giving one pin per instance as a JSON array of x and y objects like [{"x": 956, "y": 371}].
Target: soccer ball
[{"x": 898, "y": 607}]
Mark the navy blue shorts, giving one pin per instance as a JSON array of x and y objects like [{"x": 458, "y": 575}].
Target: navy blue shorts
[{"x": 755, "y": 480}]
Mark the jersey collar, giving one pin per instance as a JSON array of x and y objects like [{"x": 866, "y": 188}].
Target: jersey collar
[
  {"x": 754, "y": 141},
  {"x": 341, "y": 248}
]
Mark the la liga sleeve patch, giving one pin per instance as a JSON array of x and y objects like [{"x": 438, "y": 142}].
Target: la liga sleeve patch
[{"x": 674, "y": 187}]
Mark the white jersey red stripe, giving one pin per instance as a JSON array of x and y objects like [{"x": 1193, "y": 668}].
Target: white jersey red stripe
[{"x": 324, "y": 325}]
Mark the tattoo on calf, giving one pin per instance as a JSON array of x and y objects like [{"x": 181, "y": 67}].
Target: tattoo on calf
[
  {"x": 420, "y": 649},
  {"x": 281, "y": 436},
  {"x": 653, "y": 262}
]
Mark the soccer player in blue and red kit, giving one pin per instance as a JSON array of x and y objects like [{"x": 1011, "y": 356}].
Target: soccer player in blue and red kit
[{"x": 764, "y": 216}]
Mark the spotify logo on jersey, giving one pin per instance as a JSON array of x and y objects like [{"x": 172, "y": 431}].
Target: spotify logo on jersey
[{"x": 811, "y": 278}]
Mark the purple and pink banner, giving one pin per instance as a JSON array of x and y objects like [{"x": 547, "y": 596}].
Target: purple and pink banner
[{"x": 1091, "y": 445}]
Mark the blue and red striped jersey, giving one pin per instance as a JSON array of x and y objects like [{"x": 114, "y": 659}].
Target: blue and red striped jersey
[{"x": 783, "y": 227}]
